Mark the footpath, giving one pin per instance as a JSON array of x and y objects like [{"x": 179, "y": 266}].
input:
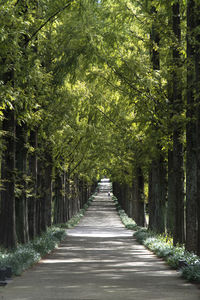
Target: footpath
[{"x": 100, "y": 260}]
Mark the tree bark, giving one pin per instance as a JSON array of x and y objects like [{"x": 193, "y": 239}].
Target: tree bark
[
  {"x": 138, "y": 198},
  {"x": 33, "y": 173},
  {"x": 21, "y": 198},
  {"x": 48, "y": 165},
  {"x": 197, "y": 81},
  {"x": 157, "y": 176},
  {"x": 178, "y": 234},
  {"x": 171, "y": 200},
  {"x": 191, "y": 146},
  {"x": 7, "y": 204},
  {"x": 58, "y": 199},
  {"x": 157, "y": 199}
]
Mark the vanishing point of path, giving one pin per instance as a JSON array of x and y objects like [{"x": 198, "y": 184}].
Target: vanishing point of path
[{"x": 100, "y": 260}]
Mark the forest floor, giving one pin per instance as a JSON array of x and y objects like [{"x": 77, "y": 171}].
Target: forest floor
[{"x": 100, "y": 260}]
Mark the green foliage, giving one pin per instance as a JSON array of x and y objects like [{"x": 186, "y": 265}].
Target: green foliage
[
  {"x": 83, "y": 83},
  {"x": 192, "y": 273},
  {"x": 163, "y": 247},
  {"x": 47, "y": 241},
  {"x": 24, "y": 256},
  {"x": 129, "y": 223}
]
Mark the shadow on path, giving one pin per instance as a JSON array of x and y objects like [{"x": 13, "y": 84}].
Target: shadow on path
[{"x": 100, "y": 260}]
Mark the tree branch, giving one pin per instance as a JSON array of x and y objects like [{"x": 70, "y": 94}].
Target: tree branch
[
  {"x": 108, "y": 118},
  {"x": 78, "y": 163},
  {"x": 76, "y": 146},
  {"x": 47, "y": 21}
]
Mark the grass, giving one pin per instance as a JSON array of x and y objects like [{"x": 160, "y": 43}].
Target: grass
[
  {"x": 162, "y": 245},
  {"x": 26, "y": 255}
]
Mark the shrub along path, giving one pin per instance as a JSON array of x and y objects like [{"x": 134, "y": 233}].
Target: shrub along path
[{"x": 100, "y": 260}]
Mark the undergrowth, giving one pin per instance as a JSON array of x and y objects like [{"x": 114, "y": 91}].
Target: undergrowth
[
  {"x": 129, "y": 223},
  {"x": 176, "y": 256},
  {"x": 162, "y": 245},
  {"x": 26, "y": 255},
  {"x": 75, "y": 219}
]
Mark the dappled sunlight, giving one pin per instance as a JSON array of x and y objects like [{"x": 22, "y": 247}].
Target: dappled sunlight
[{"x": 100, "y": 260}]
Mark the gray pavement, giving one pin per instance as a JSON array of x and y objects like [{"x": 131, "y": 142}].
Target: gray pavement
[{"x": 100, "y": 260}]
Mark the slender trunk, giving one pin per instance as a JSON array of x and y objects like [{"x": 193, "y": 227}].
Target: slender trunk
[
  {"x": 77, "y": 193},
  {"x": 191, "y": 146},
  {"x": 47, "y": 192},
  {"x": 151, "y": 204},
  {"x": 171, "y": 200},
  {"x": 64, "y": 196},
  {"x": 39, "y": 198},
  {"x": 21, "y": 198},
  {"x": 157, "y": 204},
  {"x": 178, "y": 234},
  {"x": 58, "y": 199},
  {"x": 81, "y": 193},
  {"x": 197, "y": 73},
  {"x": 140, "y": 183},
  {"x": 33, "y": 185},
  {"x": 7, "y": 204},
  {"x": 138, "y": 198},
  {"x": 44, "y": 198},
  {"x": 157, "y": 185},
  {"x": 85, "y": 199},
  {"x": 47, "y": 189},
  {"x": 124, "y": 188}
]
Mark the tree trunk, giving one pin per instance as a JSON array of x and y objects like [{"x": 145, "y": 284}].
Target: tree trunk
[
  {"x": 157, "y": 184},
  {"x": 21, "y": 198},
  {"x": 191, "y": 146},
  {"x": 197, "y": 72},
  {"x": 47, "y": 190},
  {"x": 138, "y": 198},
  {"x": 33, "y": 173},
  {"x": 158, "y": 189},
  {"x": 178, "y": 234},
  {"x": 58, "y": 199},
  {"x": 7, "y": 204},
  {"x": 39, "y": 198},
  {"x": 151, "y": 204},
  {"x": 64, "y": 196},
  {"x": 171, "y": 200}
]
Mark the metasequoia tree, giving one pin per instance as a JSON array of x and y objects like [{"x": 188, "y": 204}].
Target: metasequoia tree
[
  {"x": 192, "y": 128},
  {"x": 197, "y": 74},
  {"x": 92, "y": 88},
  {"x": 178, "y": 173},
  {"x": 29, "y": 153}
]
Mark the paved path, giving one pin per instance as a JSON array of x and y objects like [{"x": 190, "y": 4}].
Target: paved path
[{"x": 100, "y": 260}]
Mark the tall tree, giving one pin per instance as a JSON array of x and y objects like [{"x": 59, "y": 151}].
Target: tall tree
[
  {"x": 7, "y": 202},
  {"x": 7, "y": 205},
  {"x": 158, "y": 187},
  {"x": 178, "y": 172},
  {"x": 191, "y": 162},
  {"x": 197, "y": 83}
]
